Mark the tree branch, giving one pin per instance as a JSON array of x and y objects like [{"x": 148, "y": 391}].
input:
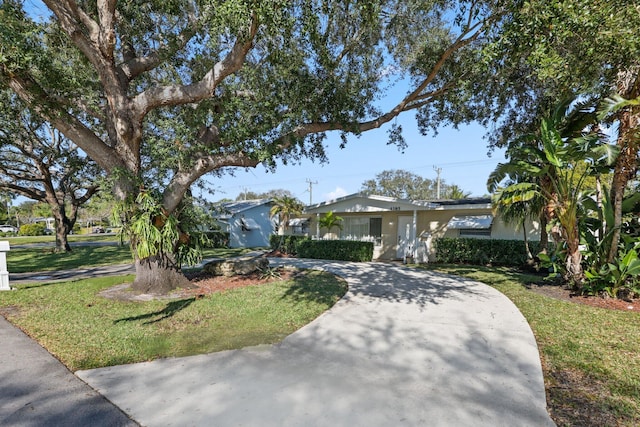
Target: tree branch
[
  {"x": 89, "y": 192},
  {"x": 37, "y": 100},
  {"x": 133, "y": 66},
  {"x": 29, "y": 193},
  {"x": 183, "y": 179},
  {"x": 183, "y": 94},
  {"x": 106, "y": 35},
  {"x": 84, "y": 36}
]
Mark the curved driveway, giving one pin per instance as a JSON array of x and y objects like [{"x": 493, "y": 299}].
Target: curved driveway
[{"x": 403, "y": 347}]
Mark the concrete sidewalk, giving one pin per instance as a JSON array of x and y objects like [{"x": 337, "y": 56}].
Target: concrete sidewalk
[
  {"x": 37, "y": 390},
  {"x": 75, "y": 274},
  {"x": 403, "y": 347},
  {"x": 89, "y": 272}
]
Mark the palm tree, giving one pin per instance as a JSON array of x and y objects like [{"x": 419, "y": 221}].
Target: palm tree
[
  {"x": 626, "y": 112},
  {"x": 513, "y": 208},
  {"x": 330, "y": 220},
  {"x": 285, "y": 207},
  {"x": 547, "y": 160},
  {"x": 454, "y": 192}
]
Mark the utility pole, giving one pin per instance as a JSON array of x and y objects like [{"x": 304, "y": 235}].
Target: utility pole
[
  {"x": 311, "y": 190},
  {"x": 438, "y": 170}
]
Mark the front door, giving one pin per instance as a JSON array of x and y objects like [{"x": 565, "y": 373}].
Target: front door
[{"x": 405, "y": 223}]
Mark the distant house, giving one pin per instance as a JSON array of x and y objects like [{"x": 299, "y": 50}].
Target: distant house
[
  {"x": 247, "y": 222},
  {"x": 401, "y": 228}
]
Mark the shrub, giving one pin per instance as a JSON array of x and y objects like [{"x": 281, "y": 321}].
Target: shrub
[
  {"x": 483, "y": 251},
  {"x": 36, "y": 229},
  {"x": 286, "y": 244},
  {"x": 217, "y": 239},
  {"x": 342, "y": 250}
]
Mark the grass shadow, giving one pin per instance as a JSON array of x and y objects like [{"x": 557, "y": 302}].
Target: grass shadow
[
  {"x": 45, "y": 284},
  {"x": 171, "y": 309},
  {"x": 317, "y": 287}
]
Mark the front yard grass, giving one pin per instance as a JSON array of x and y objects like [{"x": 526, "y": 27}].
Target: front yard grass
[
  {"x": 85, "y": 330},
  {"x": 34, "y": 259},
  {"x": 591, "y": 356}
]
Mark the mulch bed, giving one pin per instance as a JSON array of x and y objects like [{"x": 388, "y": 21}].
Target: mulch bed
[
  {"x": 205, "y": 283},
  {"x": 604, "y": 301}
]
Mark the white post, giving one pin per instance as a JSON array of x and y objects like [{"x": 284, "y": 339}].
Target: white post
[
  {"x": 414, "y": 235},
  {"x": 4, "y": 274}
]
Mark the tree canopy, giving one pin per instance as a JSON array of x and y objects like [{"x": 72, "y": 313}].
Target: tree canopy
[
  {"x": 161, "y": 94},
  {"x": 403, "y": 184},
  {"x": 252, "y": 195}
]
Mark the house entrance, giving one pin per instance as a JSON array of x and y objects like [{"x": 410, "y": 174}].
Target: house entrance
[{"x": 405, "y": 235}]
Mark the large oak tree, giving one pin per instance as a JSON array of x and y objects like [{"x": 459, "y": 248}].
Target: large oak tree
[{"x": 160, "y": 93}]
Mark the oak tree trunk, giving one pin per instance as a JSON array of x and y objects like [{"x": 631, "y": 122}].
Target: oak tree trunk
[
  {"x": 158, "y": 274},
  {"x": 63, "y": 226}
]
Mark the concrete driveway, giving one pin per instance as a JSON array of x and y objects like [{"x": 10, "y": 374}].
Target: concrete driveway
[{"x": 403, "y": 347}]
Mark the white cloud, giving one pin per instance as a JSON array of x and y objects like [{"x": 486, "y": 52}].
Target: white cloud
[{"x": 338, "y": 192}]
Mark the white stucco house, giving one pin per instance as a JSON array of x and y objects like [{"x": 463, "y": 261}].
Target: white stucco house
[
  {"x": 247, "y": 222},
  {"x": 401, "y": 228}
]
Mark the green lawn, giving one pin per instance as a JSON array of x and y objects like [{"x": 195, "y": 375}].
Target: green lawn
[
  {"x": 33, "y": 259},
  {"x": 85, "y": 330},
  {"x": 591, "y": 356},
  {"x": 27, "y": 240}
]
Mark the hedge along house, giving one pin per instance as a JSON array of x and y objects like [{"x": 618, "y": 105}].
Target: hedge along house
[
  {"x": 405, "y": 228},
  {"x": 247, "y": 222}
]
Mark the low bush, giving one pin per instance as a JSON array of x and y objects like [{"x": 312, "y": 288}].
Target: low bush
[
  {"x": 36, "y": 229},
  {"x": 286, "y": 244},
  {"x": 341, "y": 250},
  {"x": 483, "y": 251},
  {"x": 217, "y": 239}
]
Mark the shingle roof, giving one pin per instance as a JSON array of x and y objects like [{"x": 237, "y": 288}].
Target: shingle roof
[{"x": 228, "y": 209}]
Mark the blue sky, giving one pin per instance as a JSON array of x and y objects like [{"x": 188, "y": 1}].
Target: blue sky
[{"x": 462, "y": 156}]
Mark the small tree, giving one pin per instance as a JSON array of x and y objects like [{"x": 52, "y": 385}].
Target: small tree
[
  {"x": 330, "y": 220},
  {"x": 515, "y": 208},
  {"x": 284, "y": 208},
  {"x": 38, "y": 162}
]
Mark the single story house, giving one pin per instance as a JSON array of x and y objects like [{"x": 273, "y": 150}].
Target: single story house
[
  {"x": 405, "y": 228},
  {"x": 247, "y": 222}
]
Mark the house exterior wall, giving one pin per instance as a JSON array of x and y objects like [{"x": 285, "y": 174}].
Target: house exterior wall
[
  {"x": 253, "y": 238},
  {"x": 431, "y": 223}
]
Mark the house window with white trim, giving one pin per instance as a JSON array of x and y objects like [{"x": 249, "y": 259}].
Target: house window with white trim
[
  {"x": 474, "y": 232},
  {"x": 362, "y": 228},
  {"x": 471, "y": 225}
]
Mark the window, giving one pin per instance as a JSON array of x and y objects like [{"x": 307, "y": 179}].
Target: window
[
  {"x": 362, "y": 228},
  {"x": 474, "y": 232}
]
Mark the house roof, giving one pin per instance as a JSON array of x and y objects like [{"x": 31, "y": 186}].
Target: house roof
[
  {"x": 228, "y": 209},
  {"x": 361, "y": 202}
]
